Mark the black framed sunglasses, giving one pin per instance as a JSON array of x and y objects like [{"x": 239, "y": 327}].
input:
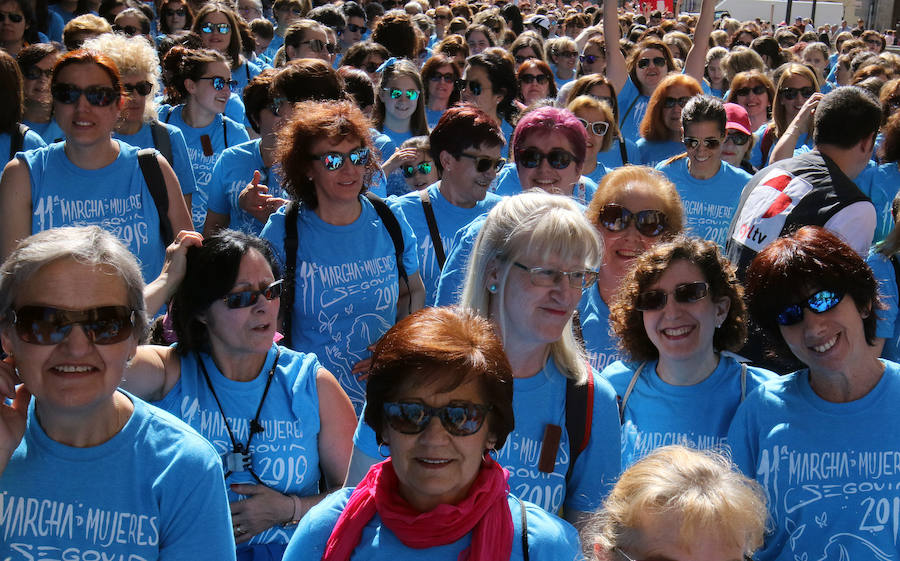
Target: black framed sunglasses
[
  {"x": 650, "y": 223},
  {"x": 737, "y": 138},
  {"x": 532, "y": 78},
  {"x": 45, "y": 325},
  {"x": 353, "y": 28},
  {"x": 670, "y": 102},
  {"x": 711, "y": 143},
  {"x": 791, "y": 93},
  {"x": 471, "y": 85},
  {"x": 483, "y": 163},
  {"x": 422, "y": 167},
  {"x": 599, "y": 128},
  {"x": 686, "y": 293},
  {"x": 127, "y": 30},
  {"x": 818, "y": 303},
  {"x": 245, "y": 298},
  {"x": 180, "y": 12},
  {"x": 98, "y": 96},
  {"x": 335, "y": 160},
  {"x": 448, "y": 77},
  {"x": 521, "y": 59},
  {"x": 222, "y": 28},
  {"x": 15, "y": 18},
  {"x": 412, "y": 417},
  {"x": 758, "y": 89},
  {"x": 557, "y": 158},
  {"x": 34, "y": 73},
  {"x": 541, "y": 276},
  {"x": 317, "y": 46},
  {"x": 219, "y": 83},
  {"x": 657, "y": 61},
  {"x": 142, "y": 88}
]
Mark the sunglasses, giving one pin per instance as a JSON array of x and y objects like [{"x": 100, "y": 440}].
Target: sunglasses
[
  {"x": 521, "y": 59},
  {"x": 219, "y": 83},
  {"x": 275, "y": 106},
  {"x": 650, "y": 223},
  {"x": 658, "y": 61},
  {"x": 557, "y": 158},
  {"x": 532, "y": 78},
  {"x": 568, "y": 54},
  {"x": 737, "y": 138},
  {"x": 245, "y": 298},
  {"x": 448, "y": 77},
  {"x": 142, "y": 88},
  {"x": 599, "y": 128},
  {"x": 14, "y": 18},
  {"x": 423, "y": 167},
  {"x": 410, "y": 417},
  {"x": 539, "y": 276},
  {"x": 223, "y": 28},
  {"x": 482, "y": 163},
  {"x": 335, "y": 160},
  {"x": 127, "y": 30},
  {"x": 396, "y": 93},
  {"x": 43, "y": 325},
  {"x": 471, "y": 85},
  {"x": 670, "y": 102},
  {"x": 353, "y": 28},
  {"x": 686, "y": 293},
  {"x": 756, "y": 90},
  {"x": 590, "y": 59},
  {"x": 98, "y": 96},
  {"x": 690, "y": 142},
  {"x": 180, "y": 12},
  {"x": 317, "y": 46},
  {"x": 819, "y": 303},
  {"x": 791, "y": 93},
  {"x": 34, "y": 73}
]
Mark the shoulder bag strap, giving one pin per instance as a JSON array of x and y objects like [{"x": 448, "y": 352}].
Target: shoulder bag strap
[
  {"x": 17, "y": 141},
  {"x": 291, "y": 242},
  {"x": 393, "y": 227},
  {"x": 156, "y": 184},
  {"x": 433, "y": 229},
  {"x": 628, "y": 390},
  {"x": 743, "y": 381},
  {"x": 525, "y": 556},
  {"x": 623, "y": 151},
  {"x": 162, "y": 141}
]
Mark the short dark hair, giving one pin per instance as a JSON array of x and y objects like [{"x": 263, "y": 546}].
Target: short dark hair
[
  {"x": 701, "y": 108},
  {"x": 257, "y": 97},
  {"x": 357, "y": 86},
  {"x": 211, "y": 272},
  {"x": 352, "y": 9},
  {"x": 329, "y": 16},
  {"x": 845, "y": 116},
  {"x": 11, "y": 95},
  {"x": 812, "y": 258},
  {"x": 500, "y": 68},
  {"x": 443, "y": 348},
  {"x": 396, "y": 32},
  {"x": 307, "y": 79},
  {"x": 460, "y": 127}
]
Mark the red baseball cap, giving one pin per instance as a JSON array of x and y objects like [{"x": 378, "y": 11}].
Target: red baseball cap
[{"x": 737, "y": 118}]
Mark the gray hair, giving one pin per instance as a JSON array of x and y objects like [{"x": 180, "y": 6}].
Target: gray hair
[
  {"x": 132, "y": 55},
  {"x": 88, "y": 245}
]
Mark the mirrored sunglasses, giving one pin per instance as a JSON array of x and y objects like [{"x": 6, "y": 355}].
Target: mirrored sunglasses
[
  {"x": 819, "y": 303},
  {"x": 422, "y": 167},
  {"x": 650, "y": 223},
  {"x": 557, "y": 158},
  {"x": 459, "y": 419},
  {"x": 98, "y": 96},
  {"x": 222, "y": 28},
  {"x": 44, "y": 325},
  {"x": 219, "y": 83},
  {"x": 685, "y": 293},
  {"x": 335, "y": 160},
  {"x": 396, "y": 93},
  {"x": 711, "y": 143},
  {"x": 245, "y": 298}
]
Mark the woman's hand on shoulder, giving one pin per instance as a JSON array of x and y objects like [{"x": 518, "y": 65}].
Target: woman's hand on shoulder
[{"x": 161, "y": 290}]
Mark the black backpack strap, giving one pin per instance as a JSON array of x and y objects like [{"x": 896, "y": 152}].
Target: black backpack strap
[
  {"x": 623, "y": 151},
  {"x": 225, "y": 131},
  {"x": 168, "y": 114},
  {"x": 393, "y": 227},
  {"x": 433, "y": 229},
  {"x": 290, "y": 269},
  {"x": 896, "y": 263},
  {"x": 17, "y": 141},
  {"x": 579, "y": 417},
  {"x": 525, "y": 556},
  {"x": 161, "y": 140},
  {"x": 156, "y": 184}
]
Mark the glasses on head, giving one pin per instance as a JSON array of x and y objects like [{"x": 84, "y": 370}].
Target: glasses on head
[
  {"x": 422, "y": 167},
  {"x": 590, "y": 59},
  {"x": 483, "y": 163},
  {"x": 711, "y": 143},
  {"x": 335, "y": 160},
  {"x": 14, "y": 18},
  {"x": 532, "y": 78},
  {"x": 98, "y": 96},
  {"x": 222, "y": 28},
  {"x": 657, "y": 61},
  {"x": 34, "y": 73},
  {"x": 791, "y": 93},
  {"x": 557, "y": 158},
  {"x": 686, "y": 293},
  {"x": 539, "y": 276},
  {"x": 599, "y": 128},
  {"x": 397, "y": 93},
  {"x": 219, "y": 83},
  {"x": 276, "y": 105},
  {"x": 471, "y": 85},
  {"x": 448, "y": 77},
  {"x": 180, "y": 12},
  {"x": 737, "y": 138},
  {"x": 142, "y": 88},
  {"x": 317, "y": 46},
  {"x": 650, "y": 223},
  {"x": 459, "y": 419},
  {"x": 44, "y": 325},
  {"x": 819, "y": 303},
  {"x": 758, "y": 89},
  {"x": 245, "y": 298},
  {"x": 670, "y": 102},
  {"x": 127, "y": 30}
]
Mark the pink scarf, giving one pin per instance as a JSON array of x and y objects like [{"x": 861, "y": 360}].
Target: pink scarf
[{"x": 485, "y": 512}]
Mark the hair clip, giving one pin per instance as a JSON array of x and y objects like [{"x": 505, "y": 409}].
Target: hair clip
[{"x": 386, "y": 64}]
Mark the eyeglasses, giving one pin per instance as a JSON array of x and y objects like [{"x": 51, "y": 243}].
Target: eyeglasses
[
  {"x": 599, "y": 128},
  {"x": 758, "y": 89},
  {"x": 590, "y": 59},
  {"x": 650, "y": 223},
  {"x": 222, "y": 28},
  {"x": 275, "y": 106},
  {"x": 532, "y": 78},
  {"x": 127, "y": 30},
  {"x": 180, "y": 12},
  {"x": 539, "y": 276},
  {"x": 141, "y": 88},
  {"x": 43, "y": 325},
  {"x": 335, "y": 160},
  {"x": 245, "y": 298},
  {"x": 483, "y": 163},
  {"x": 448, "y": 77},
  {"x": 791, "y": 93},
  {"x": 471, "y": 85},
  {"x": 219, "y": 83},
  {"x": 422, "y": 167},
  {"x": 658, "y": 61},
  {"x": 15, "y": 18},
  {"x": 711, "y": 143},
  {"x": 98, "y": 96},
  {"x": 396, "y": 93},
  {"x": 670, "y": 102},
  {"x": 820, "y": 302},
  {"x": 317, "y": 45},
  {"x": 737, "y": 138},
  {"x": 34, "y": 73},
  {"x": 686, "y": 293},
  {"x": 410, "y": 417},
  {"x": 557, "y": 158}
]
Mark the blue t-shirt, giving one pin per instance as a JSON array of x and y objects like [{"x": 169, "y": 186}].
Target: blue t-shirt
[
  {"x": 888, "y": 327},
  {"x": 276, "y": 43},
  {"x": 31, "y": 141},
  {"x": 653, "y": 152},
  {"x": 243, "y": 74},
  {"x": 234, "y": 171},
  {"x": 709, "y": 204},
  {"x": 549, "y": 538},
  {"x": 508, "y": 184},
  {"x": 756, "y": 155},
  {"x": 383, "y": 144},
  {"x": 600, "y": 345},
  {"x": 632, "y": 107},
  {"x": 114, "y": 197},
  {"x": 397, "y": 138},
  {"x": 539, "y": 401},
  {"x": 234, "y": 110},
  {"x": 658, "y": 413},
  {"x": 154, "y": 491},
  {"x": 830, "y": 471},
  {"x": 346, "y": 288},
  {"x": 201, "y": 161},
  {"x": 449, "y": 219},
  {"x": 50, "y": 131},
  {"x": 612, "y": 158},
  {"x": 453, "y": 275},
  {"x": 285, "y": 456},
  {"x": 596, "y": 176},
  {"x": 880, "y": 183},
  {"x": 180, "y": 163},
  {"x": 432, "y": 117}
]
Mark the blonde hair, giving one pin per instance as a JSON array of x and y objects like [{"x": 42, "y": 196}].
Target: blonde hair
[
  {"x": 132, "y": 55},
  {"x": 587, "y": 102},
  {"x": 539, "y": 225},
  {"x": 624, "y": 178},
  {"x": 779, "y": 117}
]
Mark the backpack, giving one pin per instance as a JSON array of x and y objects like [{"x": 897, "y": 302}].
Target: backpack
[
  {"x": 17, "y": 140},
  {"x": 579, "y": 417},
  {"x": 156, "y": 184}
]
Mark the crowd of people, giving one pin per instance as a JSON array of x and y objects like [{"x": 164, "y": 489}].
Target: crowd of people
[{"x": 477, "y": 281}]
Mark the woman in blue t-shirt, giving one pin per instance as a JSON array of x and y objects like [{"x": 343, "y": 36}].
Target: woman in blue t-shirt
[
  {"x": 14, "y": 137},
  {"x": 661, "y": 136},
  {"x": 217, "y": 26}
]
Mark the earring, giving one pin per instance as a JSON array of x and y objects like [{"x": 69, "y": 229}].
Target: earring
[
  {"x": 492, "y": 289},
  {"x": 382, "y": 452}
]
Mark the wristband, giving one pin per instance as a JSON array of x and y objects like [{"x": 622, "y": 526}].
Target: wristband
[{"x": 294, "y": 519}]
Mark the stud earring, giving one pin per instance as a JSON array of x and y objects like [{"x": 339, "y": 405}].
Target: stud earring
[{"x": 492, "y": 289}]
